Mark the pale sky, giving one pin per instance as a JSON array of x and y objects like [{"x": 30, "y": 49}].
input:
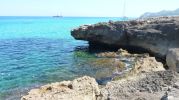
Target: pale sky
[{"x": 96, "y": 8}]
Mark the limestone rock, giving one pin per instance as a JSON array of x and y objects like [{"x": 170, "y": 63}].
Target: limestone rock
[
  {"x": 156, "y": 35},
  {"x": 119, "y": 53},
  {"x": 148, "y": 64},
  {"x": 84, "y": 88},
  {"x": 142, "y": 65},
  {"x": 144, "y": 86},
  {"x": 173, "y": 59},
  {"x": 142, "y": 62}
]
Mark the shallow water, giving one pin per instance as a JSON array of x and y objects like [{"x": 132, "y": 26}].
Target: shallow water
[{"x": 40, "y": 50}]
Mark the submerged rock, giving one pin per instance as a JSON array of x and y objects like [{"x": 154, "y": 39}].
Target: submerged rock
[
  {"x": 143, "y": 65},
  {"x": 156, "y": 35},
  {"x": 119, "y": 53},
  {"x": 107, "y": 67},
  {"x": 139, "y": 63}
]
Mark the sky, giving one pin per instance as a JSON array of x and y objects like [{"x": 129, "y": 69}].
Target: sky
[{"x": 88, "y": 8}]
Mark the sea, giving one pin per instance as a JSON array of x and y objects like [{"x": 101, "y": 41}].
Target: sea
[{"x": 39, "y": 50}]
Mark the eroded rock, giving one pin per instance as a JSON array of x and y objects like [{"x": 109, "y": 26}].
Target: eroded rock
[
  {"x": 147, "y": 64},
  {"x": 144, "y": 86},
  {"x": 84, "y": 88},
  {"x": 155, "y": 35},
  {"x": 147, "y": 80},
  {"x": 172, "y": 59},
  {"x": 119, "y": 53},
  {"x": 140, "y": 62}
]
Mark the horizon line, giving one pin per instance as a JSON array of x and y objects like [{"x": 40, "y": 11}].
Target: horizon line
[{"x": 63, "y": 16}]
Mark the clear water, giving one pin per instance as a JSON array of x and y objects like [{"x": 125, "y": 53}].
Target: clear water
[{"x": 40, "y": 50}]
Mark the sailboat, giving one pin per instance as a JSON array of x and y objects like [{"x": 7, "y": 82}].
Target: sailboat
[{"x": 58, "y": 16}]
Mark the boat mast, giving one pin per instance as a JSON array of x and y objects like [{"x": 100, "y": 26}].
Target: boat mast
[
  {"x": 124, "y": 10},
  {"x": 61, "y": 14},
  {"x": 123, "y": 17}
]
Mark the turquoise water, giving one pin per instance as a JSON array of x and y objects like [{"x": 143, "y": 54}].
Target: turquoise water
[{"x": 40, "y": 50}]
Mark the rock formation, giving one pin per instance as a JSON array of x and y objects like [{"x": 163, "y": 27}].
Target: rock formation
[
  {"x": 147, "y": 78},
  {"x": 143, "y": 86},
  {"x": 156, "y": 35},
  {"x": 173, "y": 59},
  {"x": 140, "y": 62},
  {"x": 84, "y": 88}
]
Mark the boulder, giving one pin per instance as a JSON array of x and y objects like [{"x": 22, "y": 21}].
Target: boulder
[
  {"x": 84, "y": 88},
  {"x": 172, "y": 59},
  {"x": 147, "y": 64}
]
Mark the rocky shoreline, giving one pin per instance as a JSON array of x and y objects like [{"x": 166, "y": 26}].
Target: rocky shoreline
[
  {"x": 147, "y": 79},
  {"x": 158, "y": 36},
  {"x": 145, "y": 86}
]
